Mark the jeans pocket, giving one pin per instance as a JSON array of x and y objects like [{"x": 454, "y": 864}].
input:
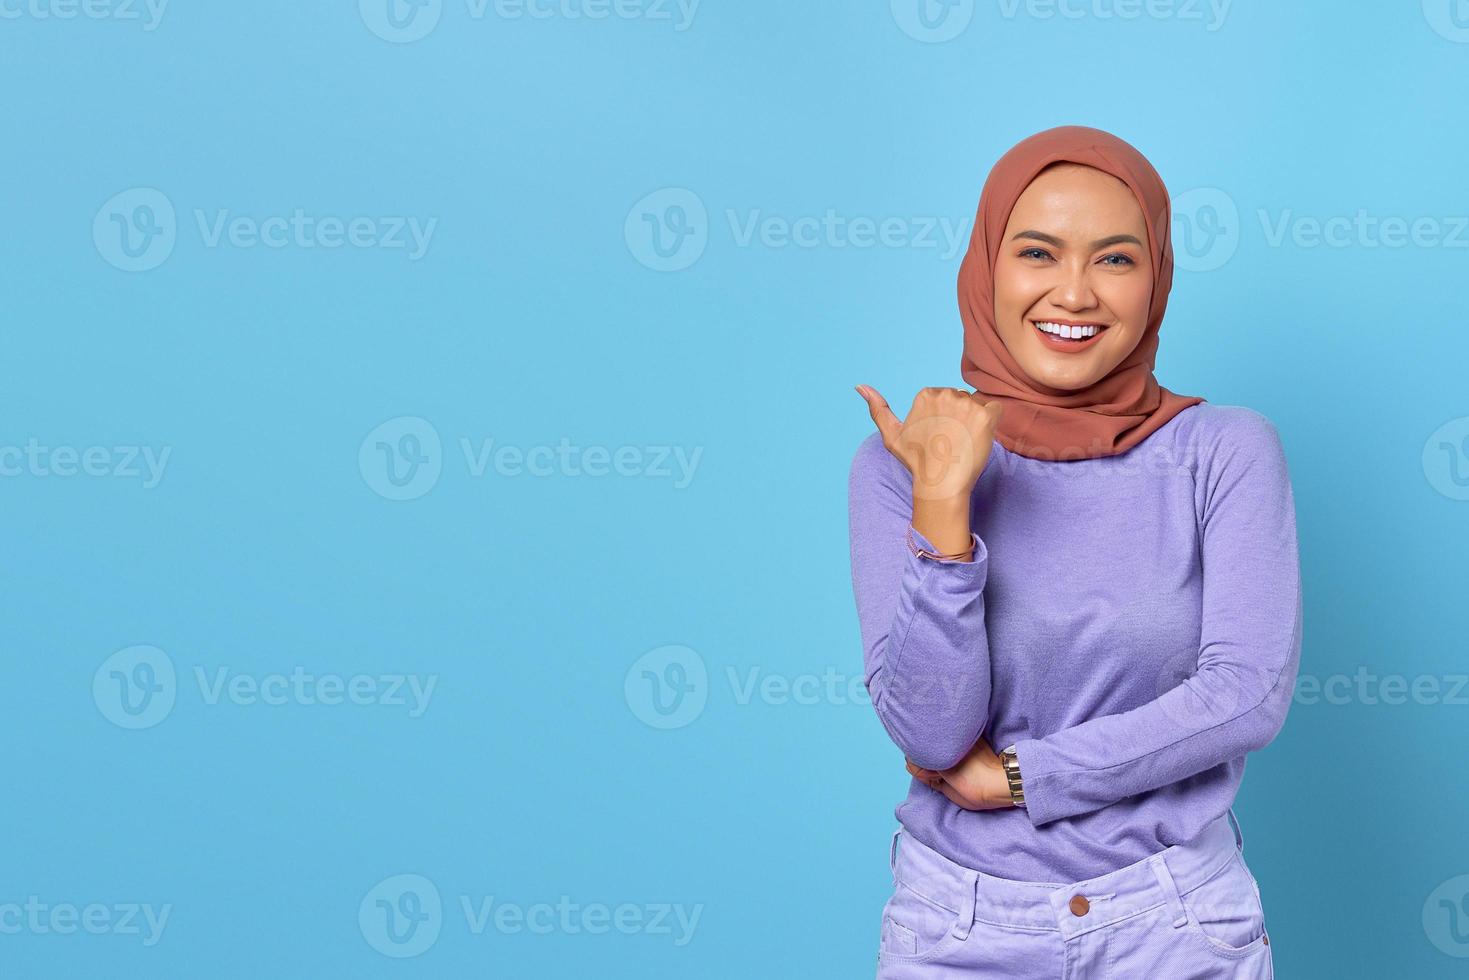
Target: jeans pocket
[
  {"x": 914, "y": 926},
  {"x": 1225, "y": 911}
]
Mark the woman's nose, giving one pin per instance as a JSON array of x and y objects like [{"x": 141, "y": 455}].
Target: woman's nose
[{"x": 1074, "y": 292}]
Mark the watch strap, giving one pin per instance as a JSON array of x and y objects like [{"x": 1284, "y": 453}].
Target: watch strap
[{"x": 1010, "y": 762}]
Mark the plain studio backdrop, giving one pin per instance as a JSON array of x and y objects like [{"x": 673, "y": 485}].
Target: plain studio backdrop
[{"x": 425, "y": 429}]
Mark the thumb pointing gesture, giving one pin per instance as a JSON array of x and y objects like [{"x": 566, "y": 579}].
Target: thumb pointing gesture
[
  {"x": 887, "y": 423},
  {"x": 945, "y": 440}
]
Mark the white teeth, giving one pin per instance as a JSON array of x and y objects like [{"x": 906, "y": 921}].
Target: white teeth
[{"x": 1068, "y": 332}]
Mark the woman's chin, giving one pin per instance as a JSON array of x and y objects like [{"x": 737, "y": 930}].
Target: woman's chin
[{"x": 1068, "y": 376}]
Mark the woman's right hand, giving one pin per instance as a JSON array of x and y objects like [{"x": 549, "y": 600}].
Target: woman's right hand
[{"x": 944, "y": 442}]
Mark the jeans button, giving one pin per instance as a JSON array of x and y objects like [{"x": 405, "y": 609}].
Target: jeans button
[{"x": 1079, "y": 905}]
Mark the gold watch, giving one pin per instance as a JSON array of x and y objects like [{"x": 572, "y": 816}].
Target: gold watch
[{"x": 1011, "y": 764}]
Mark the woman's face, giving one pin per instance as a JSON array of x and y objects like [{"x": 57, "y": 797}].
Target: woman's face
[{"x": 1074, "y": 256}]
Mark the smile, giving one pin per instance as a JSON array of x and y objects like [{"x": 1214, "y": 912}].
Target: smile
[{"x": 1068, "y": 336}]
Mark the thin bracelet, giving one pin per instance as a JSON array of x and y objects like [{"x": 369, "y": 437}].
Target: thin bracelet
[{"x": 923, "y": 553}]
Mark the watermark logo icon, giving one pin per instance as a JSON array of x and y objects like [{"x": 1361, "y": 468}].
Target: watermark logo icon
[
  {"x": 135, "y": 230},
  {"x": 1446, "y": 459},
  {"x": 1449, "y": 18},
  {"x": 401, "y": 916},
  {"x": 401, "y": 21},
  {"x": 933, "y": 21},
  {"x": 944, "y": 455},
  {"x": 1446, "y": 917},
  {"x": 668, "y": 229},
  {"x": 1206, "y": 229},
  {"x": 135, "y": 687},
  {"x": 667, "y": 687},
  {"x": 402, "y": 458}
]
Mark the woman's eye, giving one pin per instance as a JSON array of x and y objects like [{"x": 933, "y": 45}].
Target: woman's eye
[{"x": 1040, "y": 253}]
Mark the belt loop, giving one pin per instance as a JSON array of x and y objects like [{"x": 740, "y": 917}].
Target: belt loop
[
  {"x": 893, "y": 854},
  {"x": 1239, "y": 835},
  {"x": 1170, "y": 889},
  {"x": 967, "y": 903}
]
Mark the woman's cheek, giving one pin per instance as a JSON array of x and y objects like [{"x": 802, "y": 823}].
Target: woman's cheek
[
  {"x": 1015, "y": 298},
  {"x": 1130, "y": 302}
]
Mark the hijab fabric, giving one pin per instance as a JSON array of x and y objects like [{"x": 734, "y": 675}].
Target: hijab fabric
[{"x": 1119, "y": 410}]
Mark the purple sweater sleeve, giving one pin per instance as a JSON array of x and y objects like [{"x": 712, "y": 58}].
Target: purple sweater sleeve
[
  {"x": 1248, "y": 655},
  {"x": 925, "y": 652}
]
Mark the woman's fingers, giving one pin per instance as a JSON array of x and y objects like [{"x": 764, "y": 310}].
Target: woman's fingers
[
  {"x": 937, "y": 781},
  {"x": 877, "y": 406},
  {"x": 920, "y": 773},
  {"x": 954, "y": 796},
  {"x": 945, "y": 439},
  {"x": 923, "y": 775},
  {"x": 993, "y": 409}
]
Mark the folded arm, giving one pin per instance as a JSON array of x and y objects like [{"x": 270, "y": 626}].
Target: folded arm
[
  {"x": 1249, "y": 654},
  {"x": 925, "y": 651}
]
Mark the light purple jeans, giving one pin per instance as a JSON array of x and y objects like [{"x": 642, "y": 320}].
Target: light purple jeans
[{"x": 1191, "y": 910}]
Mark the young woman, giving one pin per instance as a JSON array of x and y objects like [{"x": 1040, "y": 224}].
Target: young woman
[{"x": 1080, "y": 605}]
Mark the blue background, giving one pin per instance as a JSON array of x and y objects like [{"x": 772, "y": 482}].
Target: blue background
[{"x": 539, "y": 313}]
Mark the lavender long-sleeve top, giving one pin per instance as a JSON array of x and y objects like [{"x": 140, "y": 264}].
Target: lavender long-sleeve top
[{"x": 1132, "y": 623}]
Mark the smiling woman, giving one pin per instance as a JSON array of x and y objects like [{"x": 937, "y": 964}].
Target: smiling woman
[
  {"x": 1128, "y": 633},
  {"x": 1071, "y": 301}
]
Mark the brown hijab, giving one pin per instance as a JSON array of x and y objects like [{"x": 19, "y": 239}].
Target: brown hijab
[{"x": 1119, "y": 410}]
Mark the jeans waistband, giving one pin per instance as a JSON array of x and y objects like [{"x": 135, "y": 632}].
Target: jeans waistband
[{"x": 1142, "y": 886}]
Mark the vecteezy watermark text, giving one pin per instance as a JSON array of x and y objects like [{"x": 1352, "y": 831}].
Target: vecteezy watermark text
[
  {"x": 1365, "y": 687},
  {"x": 1364, "y": 230},
  {"x": 669, "y": 229},
  {"x": 301, "y": 687},
  {"x": 406, "y": 21},
  {"x": 302, "y": 230},
  {"x": 1207, "y": 229},
  {"x": 37, "y": 918},
  {"x": 1210, "y": 13},
  {"x": 675, "y": 463},
  {"x": 937, "y": 21},
  {"x": 118, "y": 462},
  {"x": 668, "y": 687},
  {"x": 137, "y": 229},
  {"x": 148, "y": 12},
  {"x": 402, "y": 459},
  {"x": 137, "y": 688},
  {"x": 403, "y": 915}
]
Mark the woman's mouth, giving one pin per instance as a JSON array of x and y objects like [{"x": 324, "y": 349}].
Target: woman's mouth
[{"x": 1069, "y": 336}]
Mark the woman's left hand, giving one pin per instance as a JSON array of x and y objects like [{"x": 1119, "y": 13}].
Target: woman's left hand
[{"x": 977, "y": 783}]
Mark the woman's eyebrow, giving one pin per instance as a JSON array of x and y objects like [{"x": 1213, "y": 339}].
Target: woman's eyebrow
[{"x": 1053, "y": 240}]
